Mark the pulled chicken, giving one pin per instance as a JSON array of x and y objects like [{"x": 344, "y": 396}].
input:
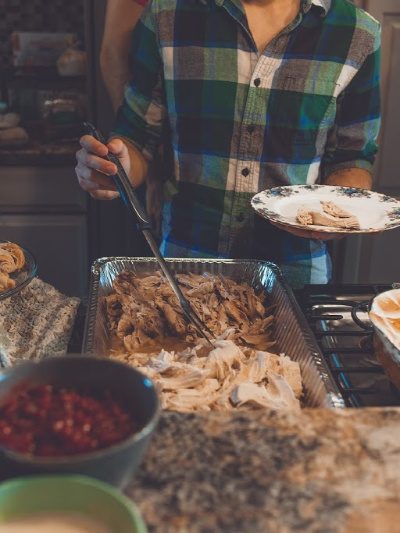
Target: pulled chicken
[{"x": 143, "y": 311}]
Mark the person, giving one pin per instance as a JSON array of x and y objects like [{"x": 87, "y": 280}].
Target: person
[
  {"x": 257, "y": 94},
  {"x": 120, "y": 19}
]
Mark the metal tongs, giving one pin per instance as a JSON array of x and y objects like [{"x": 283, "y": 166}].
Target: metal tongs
[{"x": 130, "y": 199}]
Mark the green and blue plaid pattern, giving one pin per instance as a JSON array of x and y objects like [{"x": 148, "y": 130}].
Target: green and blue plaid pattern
[{"x": 242, "y": 121}]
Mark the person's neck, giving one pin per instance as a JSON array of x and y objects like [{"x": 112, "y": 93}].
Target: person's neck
[
  {"x": 281, "y": 4},
  {"x": 266, "y": 18}
]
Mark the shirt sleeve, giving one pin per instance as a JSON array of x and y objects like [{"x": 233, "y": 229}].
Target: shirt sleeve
[
  {"x": 140, "y": 118},
  {"x": 352, "y": 143}
]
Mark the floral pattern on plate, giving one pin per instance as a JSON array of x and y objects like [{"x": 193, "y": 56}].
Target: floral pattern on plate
[{"x": 375, "y": 212}]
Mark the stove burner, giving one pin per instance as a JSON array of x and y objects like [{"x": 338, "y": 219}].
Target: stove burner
[
  {"x": 365, "y": 307},
  {"x": 366, "y": 343},
  {"x": 338, "y": 317}
]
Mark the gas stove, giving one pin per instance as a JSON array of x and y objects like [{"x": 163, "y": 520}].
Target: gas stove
[{"x": 338, "y": 317}]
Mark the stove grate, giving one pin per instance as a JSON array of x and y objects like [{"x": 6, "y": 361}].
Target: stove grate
[{"x": 338, "y": 317}]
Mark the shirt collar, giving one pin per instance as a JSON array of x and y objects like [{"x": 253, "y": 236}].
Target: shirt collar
[{"x": 324, "y": 4}]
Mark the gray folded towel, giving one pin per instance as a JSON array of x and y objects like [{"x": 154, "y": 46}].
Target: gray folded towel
[{"x": 35, "y": 323}]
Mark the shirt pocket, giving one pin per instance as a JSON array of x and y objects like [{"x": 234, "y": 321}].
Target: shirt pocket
[{"x": 302, "y": 107}]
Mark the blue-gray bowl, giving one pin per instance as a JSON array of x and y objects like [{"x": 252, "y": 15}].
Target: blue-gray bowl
[{"x": 115, "y": 464}]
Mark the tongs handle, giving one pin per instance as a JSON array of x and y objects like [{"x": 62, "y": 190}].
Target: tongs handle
[
  {"x": 127, "y": 194},
  {"x": 122, "y": 182}
]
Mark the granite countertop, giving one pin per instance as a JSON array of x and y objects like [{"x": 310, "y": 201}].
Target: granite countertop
[{"x": 316, "y": 471}]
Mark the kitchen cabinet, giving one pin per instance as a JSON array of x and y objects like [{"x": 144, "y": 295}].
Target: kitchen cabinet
[
  {"x": 372, "y": 259},
  {"x": 43, "y": 209},
  {"x": 41, "y": 204},
  {"x": 40, "y": 188}
]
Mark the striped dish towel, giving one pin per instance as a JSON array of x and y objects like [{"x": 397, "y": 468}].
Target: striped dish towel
[{"x": 35, "y": 323}]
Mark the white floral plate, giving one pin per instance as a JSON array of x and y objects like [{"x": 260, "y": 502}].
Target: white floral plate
[{"x": 375, "y": 212}]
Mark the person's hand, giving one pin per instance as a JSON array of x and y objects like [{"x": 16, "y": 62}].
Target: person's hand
[
  {"x": 307, "y": 234},
  {"x": 93, "y": 171}
]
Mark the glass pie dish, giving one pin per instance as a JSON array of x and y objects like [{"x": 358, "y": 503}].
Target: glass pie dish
[
  {"x": 385, "y": 318},
  {"x": 23, "y": 276}
]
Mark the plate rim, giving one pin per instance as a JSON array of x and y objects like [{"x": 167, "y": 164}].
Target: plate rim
[{"x": 273, "y": 192}]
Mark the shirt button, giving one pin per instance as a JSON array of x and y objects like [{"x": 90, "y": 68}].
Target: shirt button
[
  {"x": 240, "y": 217},
  {"x": 245, "y": 172},
  {"x": 257, "y": 82}
]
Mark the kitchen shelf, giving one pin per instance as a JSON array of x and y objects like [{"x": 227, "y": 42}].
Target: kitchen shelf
[
  {"x": 39, "y": 77},
  {"x": 57, "y": 154}
]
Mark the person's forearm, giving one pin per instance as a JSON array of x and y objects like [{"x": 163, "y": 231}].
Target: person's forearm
[
  {"x": 351, "y": 177},
  {"x": 121, "y": 18},
  {"x": 115, "y": 74},
  {"x": 139, "y": 166}
]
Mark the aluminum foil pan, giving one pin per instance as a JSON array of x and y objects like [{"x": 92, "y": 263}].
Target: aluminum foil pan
[{"x": 292, "y": 332}]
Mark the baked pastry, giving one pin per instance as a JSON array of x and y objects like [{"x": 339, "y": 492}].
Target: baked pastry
[
  {"x": 385, "y": 316},
  {"x": 15, "y": 252},
  {"x": 6, "y": 282},
  {"x": 12, "y": 259}
]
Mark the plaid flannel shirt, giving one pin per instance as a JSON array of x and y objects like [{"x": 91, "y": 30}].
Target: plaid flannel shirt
[{"x": 242, "y": 121}]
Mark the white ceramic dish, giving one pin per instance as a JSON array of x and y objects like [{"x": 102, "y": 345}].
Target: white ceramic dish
[{"x": 375, "y": 212}]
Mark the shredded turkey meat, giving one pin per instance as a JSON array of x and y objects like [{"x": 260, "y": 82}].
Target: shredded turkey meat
[
  {"x": 143, "y": 311},
  {"x": 239, "y": 372},
  {"x": 226, "y": 377}
]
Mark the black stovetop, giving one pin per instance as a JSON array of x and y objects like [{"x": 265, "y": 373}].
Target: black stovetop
[{"x": 336, "y": 314}]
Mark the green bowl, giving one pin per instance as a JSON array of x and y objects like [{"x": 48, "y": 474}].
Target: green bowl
[{"x": 94, "y": 499}]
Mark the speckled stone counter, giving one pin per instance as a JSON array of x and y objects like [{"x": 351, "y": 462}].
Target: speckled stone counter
[{"x": 317, "y": 471}]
